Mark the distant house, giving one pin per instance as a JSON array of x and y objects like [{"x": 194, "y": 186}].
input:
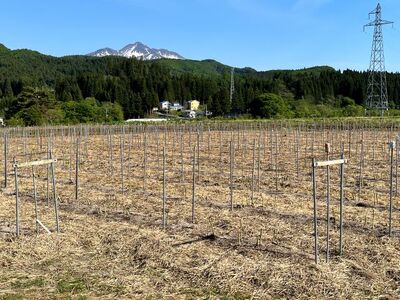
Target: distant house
[
  {"x": 193, "y": 105},
  {"x": 165, "y": 105},
  {"x": 176, "y": 107}
]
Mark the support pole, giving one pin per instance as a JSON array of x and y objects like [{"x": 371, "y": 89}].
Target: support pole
[
  {"x": 5, "y": 159},
  {"x": 17, "y": 232},
  {"x": 341, "y": 206},
  {"x": 360, "y": 178},
  {"x": 164, "y": 197},
  {"x": 328, "y": 201},
  {"x": 232, "y": 151},
  {"x": 53, "y": 176},
  {"x": 122, "y": 149},
  {"x": 145, "y": 161},
  {"x": 35, "y": 199},
  {"x": 314, "y": 180},
  {"x": 397, "y": 167},
  {"x": 253, "y": 172},
  {"x": 48, "y": 176},
  {"x": 194, "y": 184},
  {"x": 392, "y": 146},
  {"x": 77, "y": 170}
]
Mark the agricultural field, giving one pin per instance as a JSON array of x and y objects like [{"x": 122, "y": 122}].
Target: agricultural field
[{"x": 200, "y": 211}]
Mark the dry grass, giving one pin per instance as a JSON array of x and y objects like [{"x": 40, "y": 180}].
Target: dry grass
[{"x": 112, "y": 244}]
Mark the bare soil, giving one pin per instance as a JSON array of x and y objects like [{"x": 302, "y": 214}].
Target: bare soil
[{"x": 112, "y": 243}]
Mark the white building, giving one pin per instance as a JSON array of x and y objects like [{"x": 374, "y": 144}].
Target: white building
[
  {"x": 176, "y": 107},
  {"x": 165, "y": 105}
]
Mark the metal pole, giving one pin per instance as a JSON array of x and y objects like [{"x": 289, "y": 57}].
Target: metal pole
[
  {"x": 122, "y": 149},
  {"x": 231, "y": 173},
  {"x": 48, "y": 176},
  {"x": 328, "y": 201},
  {"x": 253, "y": 172},
  {"x": 111, "y": 146},
  {"x": 5, "y": 159},
  {"x": 70, "y": 157},
  {"x": 145, "y": 161},
  {"x": 259, "y": 162},
  {"x": 276, "y": 161},
  {"x": 194, "y": 184},
  {"x": 360, "y": 179},
  {"x": 198, "y": 155},
  {"x": 35, "y": 199},
  {"x": 182, "y": 160},
  {"x": 164, "y": 193},
  {"x": 341, "y": 206},
  {"x": 297, "y": 154},
  {"x": 397, "y": 167},
  {"x": 350, "y": 138},
  {"x": 77, "y": 169},
  {"x": 220, "y": 150},
  {"x": 16, "y": 198},
  {"x": 53, "y": 175},
  {"x": 315, "y": 212},
  {"x": 392, "y": 146}
]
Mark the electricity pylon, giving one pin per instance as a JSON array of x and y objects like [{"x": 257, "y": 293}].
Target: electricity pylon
[
  {"x": 377, "y": 96},
  {"x": 232, "y": 85}
]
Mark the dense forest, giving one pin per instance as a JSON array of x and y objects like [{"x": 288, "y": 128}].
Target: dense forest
[{"x": 36, "y": 89}]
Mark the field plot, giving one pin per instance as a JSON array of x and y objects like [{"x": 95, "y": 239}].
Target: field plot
[{"x": 204, "y": 210}]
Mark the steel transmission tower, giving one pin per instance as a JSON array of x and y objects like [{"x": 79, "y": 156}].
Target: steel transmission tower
[
  {"x": 232, "y": 85},
  {"x": 377, "y": 96}
]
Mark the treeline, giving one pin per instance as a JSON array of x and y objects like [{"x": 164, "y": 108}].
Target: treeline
[
  {"x": 38, "y": 106},
  {"x": 37, "y": 89}
]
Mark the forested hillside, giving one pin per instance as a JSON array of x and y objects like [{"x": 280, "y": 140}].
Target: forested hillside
[{"x": 39, "y": 89}]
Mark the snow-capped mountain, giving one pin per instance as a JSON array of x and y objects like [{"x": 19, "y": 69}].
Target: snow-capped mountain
[
  {"x": 138, "y": 50},
  {"x": 104, "y": 52}
]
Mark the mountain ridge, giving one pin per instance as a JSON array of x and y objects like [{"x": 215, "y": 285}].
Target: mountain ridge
[
  {"x": 19, "y": 59},
  {"x": 139, "y": 51}
]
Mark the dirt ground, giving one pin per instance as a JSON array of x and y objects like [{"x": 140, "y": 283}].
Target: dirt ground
[{"x": 112, "y": 242}]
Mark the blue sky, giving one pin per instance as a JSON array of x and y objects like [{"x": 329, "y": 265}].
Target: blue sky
[{"x": 263, "y": 34}]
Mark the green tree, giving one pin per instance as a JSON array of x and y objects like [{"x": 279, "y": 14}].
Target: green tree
[
  {"x": 85, "y": 111},
  {"x": 112, "y": 112},
  {"x": 270, "y": 105},
  {"x": 32, "y": 106}
]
